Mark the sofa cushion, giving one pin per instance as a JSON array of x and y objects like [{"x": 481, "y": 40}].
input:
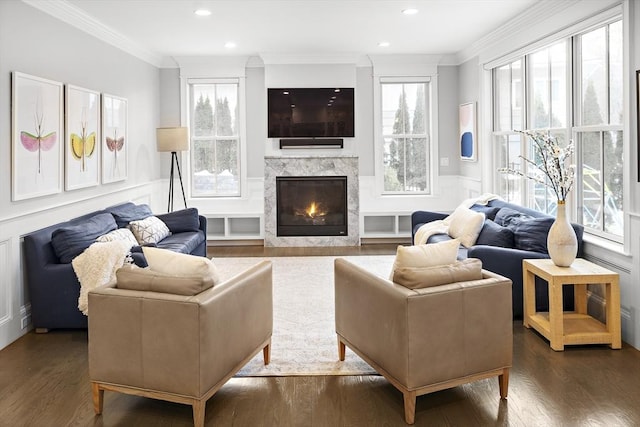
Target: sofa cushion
[
  {"x": 531, "y": 234},
  {"x": 177, "y": 264},
  {"x": 127, "y": 212},
  {"x": 149, "y": 230},
  {"x": 424, "y": 277},
  {"x": 426, "y": 255},
  {"x": 118, "y": 234},
  {"x": 185, "y": 242},
  {"x": 145, "y": 279},
  {"x": 508, "y": 217},
  {"x": 465, "y": 225},
  {"x": 71, "y": 240},
  {"x": 488, "y": 211},
  {"x": 182, "y": 220},
  {"x": 493, "y": 234}
]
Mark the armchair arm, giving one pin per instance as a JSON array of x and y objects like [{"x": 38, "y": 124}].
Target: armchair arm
[{"x": 371, "y": 315}]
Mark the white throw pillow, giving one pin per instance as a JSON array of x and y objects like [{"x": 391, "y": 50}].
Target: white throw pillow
[
  {"x": 120, "y": 234},
  {"x": 465, "y": 225},
  {"x": 430, "y": 255},
  {"x": 181, "y": 265},
  {"x": 149, "y": 230}
]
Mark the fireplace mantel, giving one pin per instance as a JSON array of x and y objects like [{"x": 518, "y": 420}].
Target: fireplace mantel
[{"x": 318, "y": 165}]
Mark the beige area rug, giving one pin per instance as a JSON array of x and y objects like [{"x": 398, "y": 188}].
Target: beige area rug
[{"x": 304, "y": 340}]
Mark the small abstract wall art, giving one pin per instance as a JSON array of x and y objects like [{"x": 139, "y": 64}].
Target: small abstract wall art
[
  {"x": 468, "y": 142},
  {"x": 114, "y": 138},
  {"x": 37, "y": 136},
  {"x": 82, "y": 138}
]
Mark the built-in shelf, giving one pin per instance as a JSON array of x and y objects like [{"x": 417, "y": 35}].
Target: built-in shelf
[
  {"x": 234, "y": 227},
  {"x": 382, "y": 225}
]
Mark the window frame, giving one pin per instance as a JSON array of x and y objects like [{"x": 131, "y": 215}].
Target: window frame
[{"x": 431, "y": 130}]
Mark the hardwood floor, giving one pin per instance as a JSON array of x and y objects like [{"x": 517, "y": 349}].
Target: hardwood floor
[{"x": 44, "y": 382}]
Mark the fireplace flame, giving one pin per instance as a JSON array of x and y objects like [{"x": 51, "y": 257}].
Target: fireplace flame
[{"x": 314, "y": 210}]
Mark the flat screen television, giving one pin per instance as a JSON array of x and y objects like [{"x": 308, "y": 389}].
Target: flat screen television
[{"x": 310, "y": 112}]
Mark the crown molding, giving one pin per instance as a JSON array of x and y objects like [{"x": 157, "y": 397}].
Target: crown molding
[
  {"x": 302, "y": 58},
  {"x": 540, "y": 11},
  {"x": 68, "y": 13}
]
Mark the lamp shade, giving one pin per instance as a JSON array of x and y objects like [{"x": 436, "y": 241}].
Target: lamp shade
[{"x": 172, "y": 139}]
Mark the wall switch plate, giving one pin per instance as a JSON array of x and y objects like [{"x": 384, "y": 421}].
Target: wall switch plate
[{"x": 444, "y": 161}]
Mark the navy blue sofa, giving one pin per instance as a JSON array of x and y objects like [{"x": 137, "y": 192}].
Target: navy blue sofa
[
  {"x": 51, "y": 282},
  {"x": 510, "y": 234}
]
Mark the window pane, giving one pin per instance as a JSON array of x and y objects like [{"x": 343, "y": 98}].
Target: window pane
[
  {"x": 615, "y": 73},
  {"x": 539, "y": 80},
  {"x": 516, "y": 96},
  {"x": 416, "y": 165},
  {"x": 591, "y": 180},
  {"x": 593, "y": 49},
  {"x": 392, "y": 98},
  {"x": 613, "y": 183},
  {"x": 225, "y": 109},
  {"x": 227, "y": 167},
  {"x": 558, "y": 53},
  {"x": 202, "y": 166},
  {"x": 203, "y": 110},
  {"x": 393, "y": 164},
  {"x": 503, "y": 98}
]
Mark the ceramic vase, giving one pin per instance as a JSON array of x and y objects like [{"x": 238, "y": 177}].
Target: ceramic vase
[{"x": 561, "y": 241}]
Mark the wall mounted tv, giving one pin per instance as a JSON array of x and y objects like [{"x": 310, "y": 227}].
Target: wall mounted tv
[{"x": 310, "y": 112}]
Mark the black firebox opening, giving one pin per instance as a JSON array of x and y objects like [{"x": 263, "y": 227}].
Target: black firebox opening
[{"x": 311, "y": 206}]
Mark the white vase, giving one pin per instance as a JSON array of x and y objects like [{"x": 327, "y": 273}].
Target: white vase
[{"x": 561, "y": 241}]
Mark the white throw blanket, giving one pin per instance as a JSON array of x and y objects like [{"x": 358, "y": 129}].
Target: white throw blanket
[
  {"x": 441, "y": 226},
  {"x": 97, "y": 266}
]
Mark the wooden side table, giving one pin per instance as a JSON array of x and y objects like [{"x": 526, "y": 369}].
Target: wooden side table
[{"x": 566, "y": 328}]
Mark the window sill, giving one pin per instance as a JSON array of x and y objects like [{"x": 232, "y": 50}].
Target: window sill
[{"x": 606, "y": 244}]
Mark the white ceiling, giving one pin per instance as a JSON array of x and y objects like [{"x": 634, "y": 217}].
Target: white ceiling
[{"x": 169, "y": 28}]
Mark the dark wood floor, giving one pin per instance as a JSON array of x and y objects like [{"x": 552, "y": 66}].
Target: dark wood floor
[{"x": 44, "y": 382}]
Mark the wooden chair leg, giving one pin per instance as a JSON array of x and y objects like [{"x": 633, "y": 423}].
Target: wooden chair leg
[
  {"x": 503, "y": 381},
  {"x": 98, "y": 398},
  {"x": 198, "y": 412},
  {"x": 409, "y": 406},
  {"x": 266, "y": 354},
  {"x": 342, "y": 350}
]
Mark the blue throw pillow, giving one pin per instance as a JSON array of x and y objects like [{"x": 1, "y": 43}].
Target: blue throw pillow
[
  {"x": 182, "y": 220},
  {"x": 531, "y": 235},
  {"x": 493, "y": 234},
  {"x": 70, "y": 241},
  {"x": 128, "y": 212},
  {"x": 488, "y": 211},
  {"x": 508, "y": 217}
]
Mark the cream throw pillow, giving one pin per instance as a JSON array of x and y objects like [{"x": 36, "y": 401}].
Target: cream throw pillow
[
  {"x": 181, "y": 265},
  {"x": 465, "y": 225},
  {"x": 149, "y": 230},
  {"x": 144, "y": 279},
  {"x": 425, "y": 277},
  {"x": 441, "y": 253}
]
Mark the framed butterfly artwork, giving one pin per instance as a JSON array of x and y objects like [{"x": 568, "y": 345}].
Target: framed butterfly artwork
[
  {"x": 37, "y": 136},
  {"x": 82, "y": 138},
  {"x": 114, "y": 138}
]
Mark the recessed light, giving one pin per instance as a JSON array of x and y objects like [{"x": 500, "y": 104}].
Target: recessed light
[
  {"x": 336, "y": 90},
  {"x": 384, "y": 44},
  {"x": 202, "y": 12},
  {"x": 230, "y": 45},
  {"x": 410, "y": 11}
]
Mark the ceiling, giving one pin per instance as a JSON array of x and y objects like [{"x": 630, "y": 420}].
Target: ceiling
[{"x": 169, "y": 28}]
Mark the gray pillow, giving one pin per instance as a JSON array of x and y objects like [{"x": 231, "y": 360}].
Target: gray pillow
[
  {"x": 127, "y": 212},
  {"x": 493, "y": 234},
  {"x": 70, "y": 241},
  {"x": 508, "y": 217},
  {"x": 531, "y": 235},
  {"x": 182, "y": 220}
]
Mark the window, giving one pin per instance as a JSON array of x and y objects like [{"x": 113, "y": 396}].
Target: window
[
  {"x": 215, "y": 141},
  {"x": 405, "y": 136},
  {"x": 591, "y": 64}
]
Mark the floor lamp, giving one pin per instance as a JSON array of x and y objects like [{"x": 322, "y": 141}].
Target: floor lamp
[{"x": 173, "y": 140}]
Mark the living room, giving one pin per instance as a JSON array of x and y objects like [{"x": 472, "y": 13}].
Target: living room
[{"x": 56, "y": 48}]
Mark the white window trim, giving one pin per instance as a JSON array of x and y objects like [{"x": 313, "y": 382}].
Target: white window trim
[
  {"x": 432, "y": 100},
  {"x": 185, "y": 158}
]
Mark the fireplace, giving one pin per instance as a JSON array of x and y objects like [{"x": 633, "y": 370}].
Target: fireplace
[{"x": 311, "y": 206}]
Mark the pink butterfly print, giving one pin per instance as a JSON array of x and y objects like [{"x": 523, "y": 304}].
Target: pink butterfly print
[
  {"x": 38, "y": 142},
  {"x": 115, "y": 144}
]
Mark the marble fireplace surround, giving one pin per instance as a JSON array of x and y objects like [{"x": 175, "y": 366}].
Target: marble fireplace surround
[{"x": 311, "y": 166}]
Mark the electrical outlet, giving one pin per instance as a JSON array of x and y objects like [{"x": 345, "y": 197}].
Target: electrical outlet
[{"x": 25, "y": 321}]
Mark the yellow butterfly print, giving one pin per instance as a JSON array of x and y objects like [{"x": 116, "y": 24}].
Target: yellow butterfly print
[{"x": 83, "y": 146}]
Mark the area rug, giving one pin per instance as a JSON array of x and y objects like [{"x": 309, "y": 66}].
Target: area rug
[{"x": 304, "y": 341}]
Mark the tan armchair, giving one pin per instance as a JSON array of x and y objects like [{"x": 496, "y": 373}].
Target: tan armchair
[
  {"x": 178, "y": 348},
  {"x": 425, "y": 340}
]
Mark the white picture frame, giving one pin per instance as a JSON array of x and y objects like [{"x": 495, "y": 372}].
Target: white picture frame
[
  {"x": 468, "y": 135},
  {"x": 114, "y": 144},
  {"x": 82, "y": 137},
  {"x": 37, "y": 136}
]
